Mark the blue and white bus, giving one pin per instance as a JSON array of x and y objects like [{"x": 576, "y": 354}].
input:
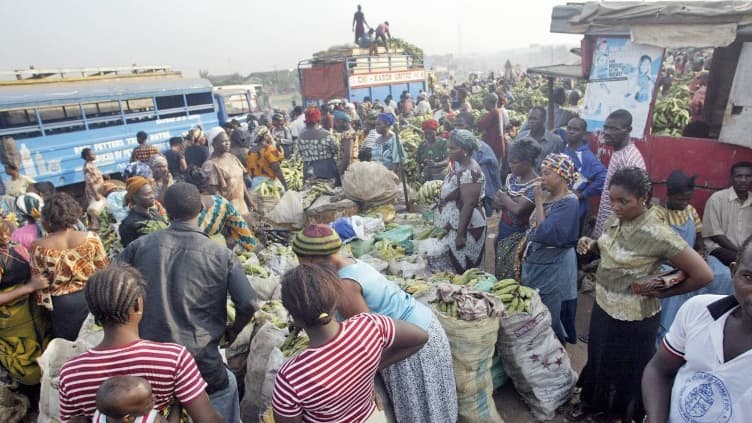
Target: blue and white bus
[{"x": 53, "y": 120}]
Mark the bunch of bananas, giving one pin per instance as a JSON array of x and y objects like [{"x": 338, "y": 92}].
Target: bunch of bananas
[
  {"x": 449, "y": 309},
  {"x": 269, "y": 189},
  {"x": 252, "y": 269},
  {"x": 314, "y": 191},
  {"x": 430, "y": 232},
  {"x": 108, "y": 234},
  {"x": 415, "y": 286},
  {"x": 428, "y": 194},
  {"x": 295, "y": 342},
  {"x": 292, "y": 168},
  {"x": 388, "y": 250},
  {"x": 470, "y": 277},
  {"x": 670, "y": 116},
  {"x": 274, "y": 312},
  {"x": 516, "y": 298},
  {"x": 152, "y": 226}
]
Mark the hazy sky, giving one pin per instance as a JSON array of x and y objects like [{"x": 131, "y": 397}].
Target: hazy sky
[{"x": 246, "y": 35}]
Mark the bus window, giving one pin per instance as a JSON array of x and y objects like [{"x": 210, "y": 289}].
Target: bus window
[
  {"x": 199, "y": 103},
  {"x": 103, "y": 114},
  {"x": 237, "y": 104},
  {"x": 61, "y": 119},
  {"x": 19, "y": 123},
  {"x": 139, "y": 110},
  {"x": 171, "y": 106}
]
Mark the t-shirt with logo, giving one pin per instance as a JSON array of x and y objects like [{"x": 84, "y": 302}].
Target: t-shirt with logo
[{"x": 707, "y": 389}]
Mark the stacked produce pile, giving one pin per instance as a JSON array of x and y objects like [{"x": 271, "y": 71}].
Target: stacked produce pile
[{"x": 671, "y": 112}]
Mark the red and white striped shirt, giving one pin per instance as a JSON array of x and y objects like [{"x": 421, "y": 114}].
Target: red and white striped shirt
[
  {"x": 334, "y": 382},
  {"x": 628, "y": 156},
  {"x": 169, "y": 368}
]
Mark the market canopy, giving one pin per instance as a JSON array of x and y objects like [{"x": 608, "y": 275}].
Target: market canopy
[{"x": 662, "y": 24}]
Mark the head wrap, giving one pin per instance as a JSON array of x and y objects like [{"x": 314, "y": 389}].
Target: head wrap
[
  {"x": 137, "y": 168},
  {"x": 277, "y": 117},
  {"x": 156, "y": 160},
  {"x": 465, "y": 139},
  {"x": 133, "y": 185},
  {"x": 316, "y": 240},
  {"x": 562, "y": 165},
  {"x": 372, "y": 114},
  {"x": 387, "y": 118},
  {"x": 340, "y": 115},
  {"x": 261, "y": 131},
  {"x": 30, "y": 205},
  {"x": 430, "y": 124},
  {"x": 312, "y": 115}
]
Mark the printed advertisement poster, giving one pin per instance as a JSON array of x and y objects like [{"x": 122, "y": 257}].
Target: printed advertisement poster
[{"x": 623, "y": 76}]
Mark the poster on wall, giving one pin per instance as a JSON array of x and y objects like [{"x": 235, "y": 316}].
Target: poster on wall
[{"x": 623, "y": 76}]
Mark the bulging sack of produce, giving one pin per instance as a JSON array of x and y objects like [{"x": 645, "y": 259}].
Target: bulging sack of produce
[
  {"x": 380, "y": 265},
  {"x": 431, "y": 247},
  {"x": 472, "y": 344},
  {"x": 237, "y": 352},
  {"x": 278, "y": 258},
  {"x": 266, "y": 288},
  {"x": 535, "y": 360},
  {"x": 51, "y": 362},
  {"x": 289, "y": 210},
  {"x": 408, "y": 267},
  {"x": 267, "y": 195},
  {"x": 370, "y": 183},
  {"x": 264, "y": 342},
  {"x": 9, "y": 152}
]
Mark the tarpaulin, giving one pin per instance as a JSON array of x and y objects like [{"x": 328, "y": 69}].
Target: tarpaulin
[
  {"x": 324, "y": 82},
  {"x": 680, "y": 36}
]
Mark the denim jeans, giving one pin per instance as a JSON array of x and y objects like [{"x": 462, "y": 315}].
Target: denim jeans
[{"x": 227, "y": 401}]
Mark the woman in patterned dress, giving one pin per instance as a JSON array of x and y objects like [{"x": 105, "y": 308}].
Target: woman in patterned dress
[
  {"x": 460, "y": 210},
  {"x": 67, "y": 258},
  {"x": 218, "y": 216}
]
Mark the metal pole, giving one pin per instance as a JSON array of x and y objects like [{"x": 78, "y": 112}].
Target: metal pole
[
  {"x": 402, "y": 169},
  {"x": 550, "y": 120}
]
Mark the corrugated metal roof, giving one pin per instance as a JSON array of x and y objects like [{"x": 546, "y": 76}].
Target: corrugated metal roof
[
  {"x": 558, "y": 71},
  {"x": 63, "y": 92}
]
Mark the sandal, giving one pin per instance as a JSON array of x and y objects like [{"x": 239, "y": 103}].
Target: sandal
[{"x": 577, "y": 413}]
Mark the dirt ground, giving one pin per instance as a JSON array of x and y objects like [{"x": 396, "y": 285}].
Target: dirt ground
[{"x": 508, "y": 402}]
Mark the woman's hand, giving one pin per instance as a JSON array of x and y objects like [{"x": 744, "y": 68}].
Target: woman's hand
[
  {"x": 538, "y": 191},
  {"x": 460, "y": 241},
  {"x": 38, "y": 282},
  {"x": 584, "y": 245}
]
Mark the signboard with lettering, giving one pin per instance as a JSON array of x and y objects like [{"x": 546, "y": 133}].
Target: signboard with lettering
[{"x": 386, "y": 78}]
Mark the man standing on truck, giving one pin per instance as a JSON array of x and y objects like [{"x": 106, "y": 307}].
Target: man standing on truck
[
  {"x": 359, "y": 24},
  {"x": 382, "y": 32}
]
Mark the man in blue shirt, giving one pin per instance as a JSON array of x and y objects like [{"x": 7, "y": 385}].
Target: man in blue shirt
[{"x": 591, "y": 173}]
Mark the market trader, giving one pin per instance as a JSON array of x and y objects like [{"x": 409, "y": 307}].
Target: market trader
[{"x": 190, "y": 277}]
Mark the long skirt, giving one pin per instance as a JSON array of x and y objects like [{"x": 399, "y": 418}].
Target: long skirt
[
  {"x": 422, "y": 387},
  {"x": 506, "y": 255},
  {"x": 68, "y": 314},
  {"x": 618, "y": 352},
  {"x": 553, "y": 271},
  {"x": 471, "y": 254}
]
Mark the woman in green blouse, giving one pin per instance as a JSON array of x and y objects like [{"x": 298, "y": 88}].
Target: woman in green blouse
[
  {"x": 433, "y": 153},
  {"x": 623, "y": 325}
]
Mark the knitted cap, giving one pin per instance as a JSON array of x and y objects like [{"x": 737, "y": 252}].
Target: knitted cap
[{"x": 316, "y": 240}]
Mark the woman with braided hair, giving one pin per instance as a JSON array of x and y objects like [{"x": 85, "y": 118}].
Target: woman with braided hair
[{"x": 115, "y": 296}]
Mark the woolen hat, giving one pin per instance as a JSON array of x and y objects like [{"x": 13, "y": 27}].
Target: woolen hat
[{"x": 316, "y": 240}]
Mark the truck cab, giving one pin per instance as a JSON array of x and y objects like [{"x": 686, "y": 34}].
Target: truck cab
[{"x": 235, "y": 102}]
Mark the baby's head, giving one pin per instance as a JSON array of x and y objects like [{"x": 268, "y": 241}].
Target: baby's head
[{"x": 123, "y": 398}]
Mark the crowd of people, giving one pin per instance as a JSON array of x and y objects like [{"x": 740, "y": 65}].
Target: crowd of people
[{"x": 181, "y": 211}]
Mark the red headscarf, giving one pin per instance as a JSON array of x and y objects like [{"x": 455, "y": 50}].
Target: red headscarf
[
  {"x": 430, "y": 124},
  {"x": 312, "y": 115}
]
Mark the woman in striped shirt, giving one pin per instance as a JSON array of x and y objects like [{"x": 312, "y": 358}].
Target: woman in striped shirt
[
  {"x": 115, "y": 297},
  {"x": 333, "y": 379}
]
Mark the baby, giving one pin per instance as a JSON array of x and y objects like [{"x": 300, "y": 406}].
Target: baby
[{"x": 126, "y": 399}]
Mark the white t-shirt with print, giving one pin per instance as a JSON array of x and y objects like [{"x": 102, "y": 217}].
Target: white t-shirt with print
[{"x": 705, "y": 388}]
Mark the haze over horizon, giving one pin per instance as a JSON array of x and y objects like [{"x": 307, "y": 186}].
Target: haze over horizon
[{"x": 227, "y": 36}]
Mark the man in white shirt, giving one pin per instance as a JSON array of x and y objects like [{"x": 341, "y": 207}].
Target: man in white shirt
[
  {"x": 298, "y": 122},
  {"x": 703, "y": 371},
  {"x": 727, "y": 220},
  {"x": 423, "y": 107}
]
